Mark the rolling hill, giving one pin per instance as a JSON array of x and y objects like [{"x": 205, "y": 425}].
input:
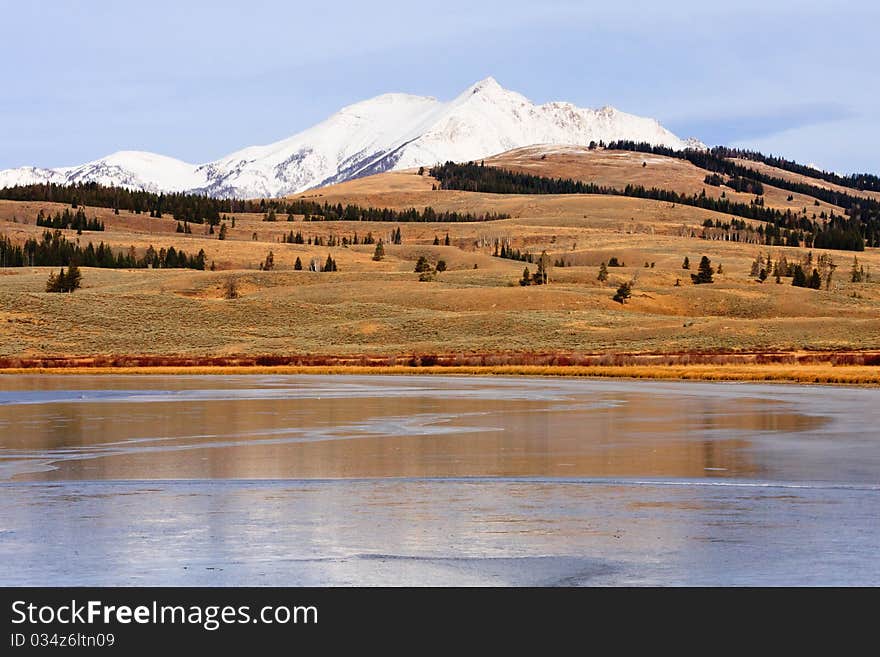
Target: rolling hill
[{"x": 474, "y": 310}]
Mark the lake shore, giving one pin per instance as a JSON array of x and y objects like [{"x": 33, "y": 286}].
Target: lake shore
[{"x": 821, "y": 373}]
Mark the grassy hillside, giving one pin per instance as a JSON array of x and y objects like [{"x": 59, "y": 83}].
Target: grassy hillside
[{"x": 476, "y": 306}]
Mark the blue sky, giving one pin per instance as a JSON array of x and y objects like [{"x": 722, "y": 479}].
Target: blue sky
[{"x": 196, "y": 80}]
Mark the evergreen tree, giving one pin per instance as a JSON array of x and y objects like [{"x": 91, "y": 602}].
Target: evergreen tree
[
  {"x": 447, "y": 242},
  {"x": 799, "y": 278},
  {"x": 441, "y": 265},
  {"x": 436, "y": 241},
  {"x": 603, "y": 273},
  {"x": 526, "y": 278},
  {"x": 705, "y": 271},
  {"x": 422, "y": 265},
  {"x": 815, "y": 281},
  {"x": 222, "y": 235},
  {"x": 269, "y": 263},
  {"x": 379, "y": 253},
  {"x": 686, "y": 264},
  {"x": 623, "y": 293},
  {"x": 298, "y": 265},
  {"x": 73, "y": 280},
  {"x": 65, "y": 281}
]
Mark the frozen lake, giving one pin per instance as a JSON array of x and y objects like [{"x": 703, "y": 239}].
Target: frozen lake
[{"x": 314, "y": 480}]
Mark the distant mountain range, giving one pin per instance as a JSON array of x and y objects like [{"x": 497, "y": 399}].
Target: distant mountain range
[{"x": 391, "y": 131}]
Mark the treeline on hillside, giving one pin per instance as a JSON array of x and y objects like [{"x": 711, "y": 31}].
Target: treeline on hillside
[
  {"x": 737, "y": 183},
  {"x": 313, "y": 211},
  {"x": 54, "y": 250},
  {"x": 864, "y": 212},
  {"x": 67, "y": 219},
  {"x": 790, "y": 226},
  {"x": 199, "y": 209},
  {"x": 715, "y": 160},
  {"x": 860, "y": 181},
  {"x": 330, "y": 240},
  {"x": 195, "y": 208},
  {"x": 504, "y": 250}
]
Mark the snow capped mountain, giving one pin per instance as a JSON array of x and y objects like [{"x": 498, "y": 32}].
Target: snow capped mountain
[
  {"x": 132, "y": 169},
  {"x": 391, "y": 131}
]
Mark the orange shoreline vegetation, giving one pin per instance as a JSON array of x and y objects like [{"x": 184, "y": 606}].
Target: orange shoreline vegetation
[{"x": 847, "y": 368}]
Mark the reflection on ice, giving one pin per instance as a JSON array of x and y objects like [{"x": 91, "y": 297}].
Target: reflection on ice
[
  {"x": 434, "y": 480},
  {"x": 422, "y": 532}
]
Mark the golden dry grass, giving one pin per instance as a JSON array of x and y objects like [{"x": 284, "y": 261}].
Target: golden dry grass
[
  {"x": 621, "y": 168},
  {"x": 380, "y": 307},
  {"x": 799, "y": 178}
]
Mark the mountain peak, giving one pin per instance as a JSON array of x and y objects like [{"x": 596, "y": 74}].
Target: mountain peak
[
  {"x": 387, "y": 132},
  {"x": 486, "y": 85}
]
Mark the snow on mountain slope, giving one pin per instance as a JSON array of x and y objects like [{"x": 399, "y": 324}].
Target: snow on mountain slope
[
  {"x": 391, "y": 131},
  {"x": 488, "y": 119},
  {"x": 132, "y": 169},
  {"x": 353, "y": 134}
]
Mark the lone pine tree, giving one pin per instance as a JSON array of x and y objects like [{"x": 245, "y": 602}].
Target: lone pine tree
[
  {"x": 269, "y": 263},
  {"x": 704, "y": 272},
  {"x": 623, "y": 293}
]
